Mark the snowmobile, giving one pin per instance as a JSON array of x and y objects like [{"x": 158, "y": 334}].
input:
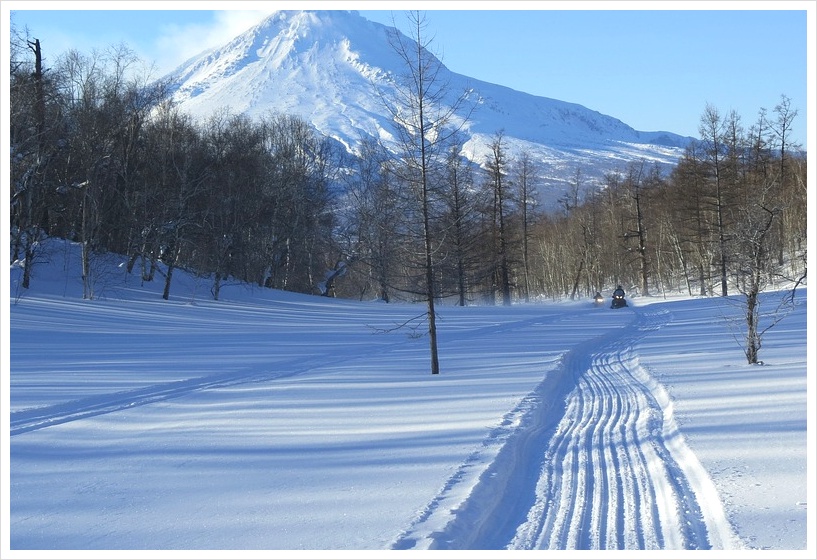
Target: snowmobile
[
  {"x": 598, "y": 300},
  {"x": 618, "y": 299}
]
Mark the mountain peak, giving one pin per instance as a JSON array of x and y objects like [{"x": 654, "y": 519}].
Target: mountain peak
[
  {"x": 324, "y": 66},
  {"x": 283, "y": 34}
]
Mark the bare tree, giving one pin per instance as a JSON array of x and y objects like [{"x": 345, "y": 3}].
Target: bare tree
[
  {"x": 171, "y": 203},
  {"x": 497, "y": 173},
  {"x": 460, "y": 223},
  {"x": 782, "y": 130},
  {"x": 423, "y": 117},
  {"x": 369, "y": 221},
  {"x": 30, "y": 154},
  {"x": 527, "y": 193},
  {"x": 693, "y": 228},
  {"x": 754, "y": 267},
  {"x": 712, "y": 131},
  {"x": 570, "y": 199},
  {"x": 635, "y": 185}
]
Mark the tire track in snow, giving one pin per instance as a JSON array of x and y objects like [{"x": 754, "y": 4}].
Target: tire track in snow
[{"x": 615, "y": 472}]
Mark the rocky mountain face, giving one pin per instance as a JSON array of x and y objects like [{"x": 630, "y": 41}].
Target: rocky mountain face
[{"x": 327, "y": 66}]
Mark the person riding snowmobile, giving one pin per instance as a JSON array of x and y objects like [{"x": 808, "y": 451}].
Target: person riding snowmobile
[{"x": 618, "y": 298}]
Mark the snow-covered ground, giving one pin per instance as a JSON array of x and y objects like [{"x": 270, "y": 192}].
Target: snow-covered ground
[{"x": 276, "y": 421}]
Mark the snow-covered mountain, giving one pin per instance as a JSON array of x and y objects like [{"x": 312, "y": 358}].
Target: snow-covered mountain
[{"x": 323, "y": 66}]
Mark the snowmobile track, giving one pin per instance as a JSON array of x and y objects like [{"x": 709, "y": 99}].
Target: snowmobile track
[{"x": 615, "y": 471}]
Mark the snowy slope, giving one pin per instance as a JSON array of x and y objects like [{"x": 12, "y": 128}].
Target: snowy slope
[
  {"x": 279, "y": 421},
  {"x": 324, "y": 65}
]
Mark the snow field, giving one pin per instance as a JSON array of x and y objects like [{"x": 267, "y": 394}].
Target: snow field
[{"x": 273, "y": 421}]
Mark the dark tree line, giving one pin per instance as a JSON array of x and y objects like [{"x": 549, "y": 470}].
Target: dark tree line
[
  {"x": 693, "y": 229},
  {"x": 100, "y": 156},
  {"x": 103, "y": 158},
  {"x": 481, "y": 218}
]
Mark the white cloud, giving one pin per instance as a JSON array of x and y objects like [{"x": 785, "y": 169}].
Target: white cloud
[{"x": 177, "y": 43}]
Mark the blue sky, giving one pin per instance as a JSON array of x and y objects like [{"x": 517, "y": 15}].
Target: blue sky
[{"x": 653, "y": 65}]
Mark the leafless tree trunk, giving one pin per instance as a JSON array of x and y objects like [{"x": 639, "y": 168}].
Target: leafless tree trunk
[
  {"x": 526, "y": 186},
  {"x": 751, "y": 276},
  {"x": 422, "y": 119},
  {"x": 712, "y": 130},
  {"x": 31, "y": 237},
  {"x": 497, "y": 171}
]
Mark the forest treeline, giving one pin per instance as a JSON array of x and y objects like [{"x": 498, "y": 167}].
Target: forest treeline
[{"x": 105, "y": 159}]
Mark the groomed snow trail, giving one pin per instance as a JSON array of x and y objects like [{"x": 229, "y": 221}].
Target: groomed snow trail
[{"x": 615, "y": 473}]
